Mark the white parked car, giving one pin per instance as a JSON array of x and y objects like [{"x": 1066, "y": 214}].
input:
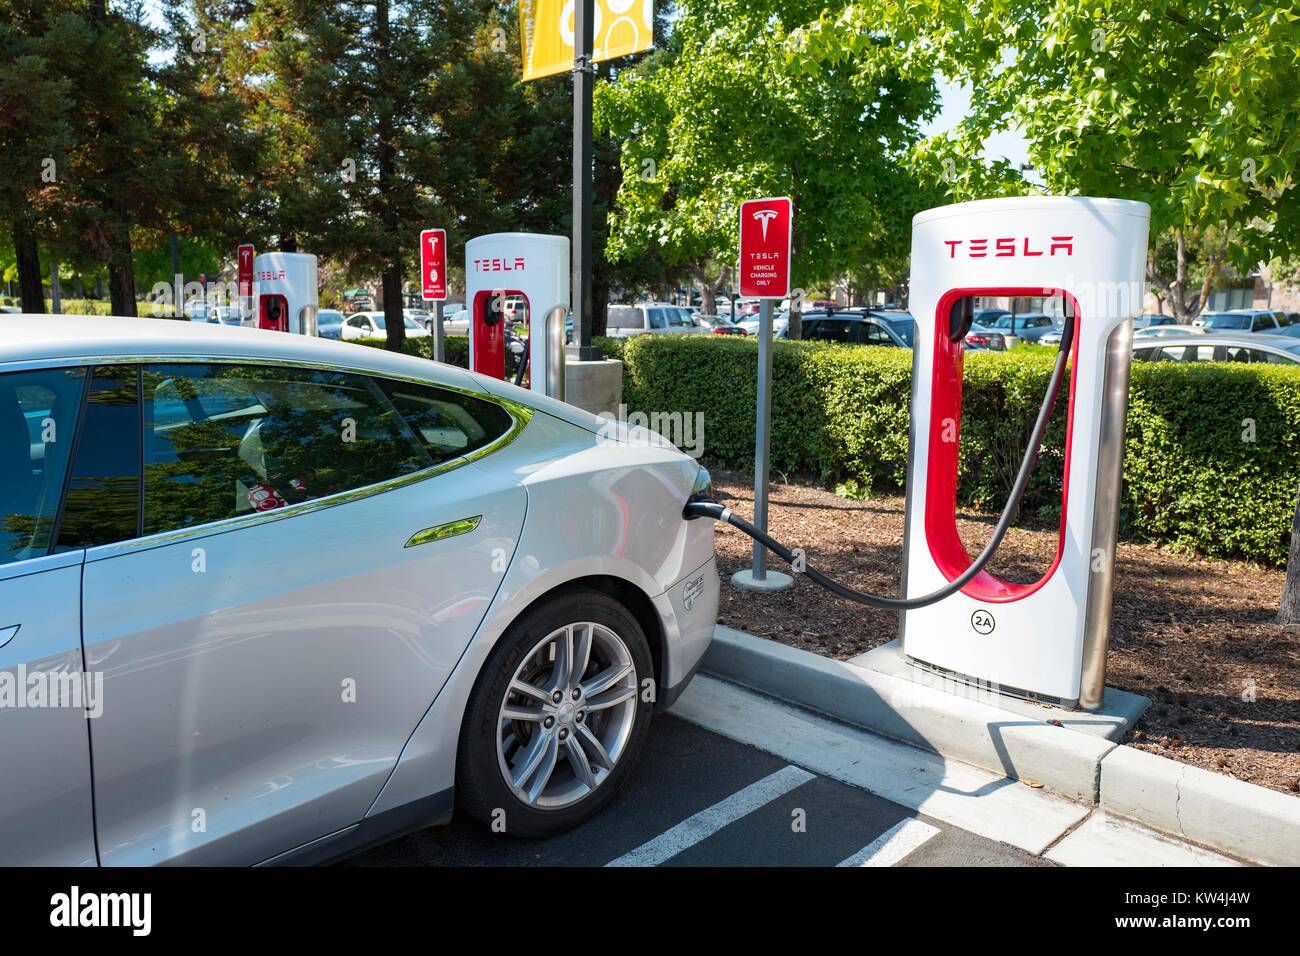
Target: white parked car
[
  {"x": 1242, "y": 320},
  {"x": 323, "y": 592},
  {"x": 370, "y": 325},
  {"x": 651, "y": 318},
  {"x": 1248, "y": 347}
]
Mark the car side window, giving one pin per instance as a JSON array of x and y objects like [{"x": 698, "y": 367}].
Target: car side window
[
  {"x": 223, "y": 440},
  {"x": 102, "y": 504},
  {"x": 834, "y": 330},
  {"x": 873, "y": 334},
  {"x": 657, "y": 318},
  {"x": 38, "y": 424},
  {"x": 1264, "y": 321},
  {"x": 449, "y": 424},
  {"x": 358, "y": 322}
]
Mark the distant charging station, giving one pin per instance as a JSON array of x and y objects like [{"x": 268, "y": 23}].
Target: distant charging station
[
  {"x": 1046, "y": 638},
  {"x": 517, "y": 277},
  {"x": 285, "y": 293}
]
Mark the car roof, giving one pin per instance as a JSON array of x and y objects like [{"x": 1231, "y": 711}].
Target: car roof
[{"x": 84, "y": 338}]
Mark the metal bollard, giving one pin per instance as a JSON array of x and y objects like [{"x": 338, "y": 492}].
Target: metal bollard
[{"x": 554, "y": 332}]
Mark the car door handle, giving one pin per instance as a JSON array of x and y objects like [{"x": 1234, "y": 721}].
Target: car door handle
[
  {"x": 7, "y": 634},
  {"x": 448, "y": 530}
]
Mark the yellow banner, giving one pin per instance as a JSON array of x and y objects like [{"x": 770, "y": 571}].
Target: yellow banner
[{"x": 621, "y": 27}]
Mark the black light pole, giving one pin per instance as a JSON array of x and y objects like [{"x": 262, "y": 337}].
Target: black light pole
[{"x": 583, "y": 77}]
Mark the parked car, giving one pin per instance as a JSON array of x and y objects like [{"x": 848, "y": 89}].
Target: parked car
[
  {"x": 370, "y": 325},
  {"x": 860, "y": 327},
  {"x": 982, "y": 338},
  {"x": 329, "y": 323},
  {"x": 720, "y": 324},
  {"x": 1241, "y": 320},
  {"x": 1026, "y": 326},
  {"x": 1166, "y": 331},
  {"x": 1153, "y": 321},
  {"x": 657, "y": 318},
  {"x": 313, "y": 641},
  {"x": 1252, "y": 347}
]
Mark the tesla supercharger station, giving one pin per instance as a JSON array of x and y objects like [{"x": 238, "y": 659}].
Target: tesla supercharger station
[
  {"x": 502, "y": 271},
  {"x": 284, "y": 287},
  {"x": 1045, "y": 639}
]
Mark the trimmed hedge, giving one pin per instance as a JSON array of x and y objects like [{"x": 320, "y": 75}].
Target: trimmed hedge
[{"x": 1211, "y": 463}]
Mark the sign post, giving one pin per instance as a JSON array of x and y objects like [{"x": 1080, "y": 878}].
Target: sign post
[
  {"x": 765, "y": 231},
  {"x": 244, "y": 264},
  {"x": 433, "y": 282},
  {"x": 563, "y": 35}
]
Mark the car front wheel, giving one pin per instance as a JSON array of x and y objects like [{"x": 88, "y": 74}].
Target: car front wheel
[{"x": 556, "y": 720}]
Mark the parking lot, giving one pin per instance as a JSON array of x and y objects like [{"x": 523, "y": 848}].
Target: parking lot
[{"x": 700, "y": 799}]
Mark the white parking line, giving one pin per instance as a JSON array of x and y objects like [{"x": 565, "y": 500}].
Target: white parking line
[
  {"x": 702, "y": 825},
  {"x": 892, "y": 845},
  {"x": 951, "y": 792}
]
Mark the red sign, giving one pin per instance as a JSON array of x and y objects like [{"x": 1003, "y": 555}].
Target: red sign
[
  {"x": 433, "y": 264},
  {"x": 765, "y": 226},
  {"x": 244, "y": 260}
]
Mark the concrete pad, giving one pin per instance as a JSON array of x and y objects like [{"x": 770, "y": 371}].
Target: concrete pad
[
  {"x": 1208, "y": 808},
  {"x": 1120, "y": 709},
  {"x": 1103, "y": 840},
  {"x": 983, "y": 803},
  {"x": 594, "y": 386},
  {"x": 772, "y": 581},
  {"x": 1021, "y": 745}
]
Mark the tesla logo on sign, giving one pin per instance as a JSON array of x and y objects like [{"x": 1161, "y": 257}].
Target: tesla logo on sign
[
  {"x": 765, "y": 227},
  {"x": 433, "y": 264},
  {"x": 244, "y": 263},
  {"x": 1009, "y": 246}
]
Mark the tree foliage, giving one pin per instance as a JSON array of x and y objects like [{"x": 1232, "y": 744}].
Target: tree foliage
[
  {"x": 723, "y": 115},
  {"x": 1194, "y": 113}
]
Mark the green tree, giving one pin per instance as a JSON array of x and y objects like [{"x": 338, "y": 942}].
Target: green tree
[
  {"x": 1195, "y": 114},
  {"x": 725, "y": 114},
  {"x": 36, "y": 100}
]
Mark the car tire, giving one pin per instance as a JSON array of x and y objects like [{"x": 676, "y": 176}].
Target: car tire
[{"x": 493, "y": 744}]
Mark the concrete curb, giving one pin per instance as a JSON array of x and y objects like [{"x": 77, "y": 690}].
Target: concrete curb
[
  {"x": 1205, "y": 807},
  {"x": 1075, "y": 758}
]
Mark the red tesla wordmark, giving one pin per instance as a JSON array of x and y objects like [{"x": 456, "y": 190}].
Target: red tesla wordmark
[{"x": 1009, "y": 246}]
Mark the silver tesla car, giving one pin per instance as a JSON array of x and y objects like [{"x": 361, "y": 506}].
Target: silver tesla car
[{"x": 266, "y": 598}]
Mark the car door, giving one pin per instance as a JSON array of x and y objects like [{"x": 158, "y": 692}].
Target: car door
[
  {"x": 46, "y": 815},
  {"x": 276, "y": 625}
]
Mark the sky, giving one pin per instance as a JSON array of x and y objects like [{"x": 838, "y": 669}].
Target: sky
[{"x": 954, "y": 106}]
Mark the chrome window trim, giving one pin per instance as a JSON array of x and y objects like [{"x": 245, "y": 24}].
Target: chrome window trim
[{"x": 520, "y": 416}]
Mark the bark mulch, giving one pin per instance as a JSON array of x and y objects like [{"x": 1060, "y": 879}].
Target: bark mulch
[{"x": 1196, "y": 636}]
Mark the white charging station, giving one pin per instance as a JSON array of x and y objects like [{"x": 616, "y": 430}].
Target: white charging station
[
  {"x": 285, "y": 292},
  {"x": 507, "y": 271},
  {"x": 1046, "y": 639}
]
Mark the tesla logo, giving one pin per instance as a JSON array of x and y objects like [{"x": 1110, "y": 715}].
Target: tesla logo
[
  {"x": 1009, "y": 246},
  {"x": 499, "y": 265},
  {"x": 764, "y": 216},
  {"x": 269, "y": 275}
]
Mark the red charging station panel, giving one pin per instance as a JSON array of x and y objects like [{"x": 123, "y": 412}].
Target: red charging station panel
[
  {"x": 489, "y": 331},
  {"x": 273, "y": 313}
]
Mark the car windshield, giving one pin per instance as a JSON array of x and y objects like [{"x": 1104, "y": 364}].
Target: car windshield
[
  {"x": 1225, "y": 320},
  {"x": 329, "y": 317}
]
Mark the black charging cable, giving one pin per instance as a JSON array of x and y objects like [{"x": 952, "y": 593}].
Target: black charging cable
[{"x": 708, "y": 508}]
